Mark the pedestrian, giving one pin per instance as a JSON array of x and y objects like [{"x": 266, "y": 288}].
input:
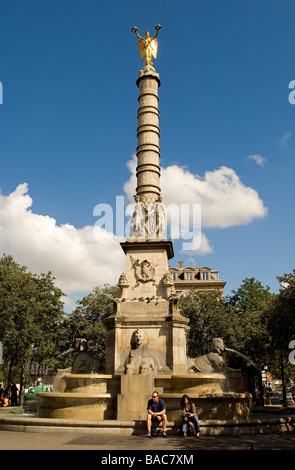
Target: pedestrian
[
  {"x": 156, "y": 409},
  {"x": 1, "y": 396},
  {"x": 190, "y": 421},
  {"x": 13, "y": 395}
]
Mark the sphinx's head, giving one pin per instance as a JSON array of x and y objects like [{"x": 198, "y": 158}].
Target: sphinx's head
[{"x": 138, "y": 338}]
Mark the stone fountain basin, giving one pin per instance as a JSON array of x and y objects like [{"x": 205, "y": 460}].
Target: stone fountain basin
[
  {"x": 92, "y": 383},
  {"x": 65, "y": 405},
  {"x": 209, "y": 393},
  {"x": 86, "y": 396},
  {"x": 191, "y": 383},
  {"x": 94, "y": 397},
  {"x": 212, "y": 406}
]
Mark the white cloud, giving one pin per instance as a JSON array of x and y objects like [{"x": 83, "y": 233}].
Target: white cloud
[
  {"x": 130, "y": 185},
  {"x": 284, "y": 140},
  {"x": 77, "y": 259},
  {"x": 205, "y": 247},
  {"x": 80, "y": 259},
  {"x": 258, "y": 159},
  {"x": 225, "y": 200}
]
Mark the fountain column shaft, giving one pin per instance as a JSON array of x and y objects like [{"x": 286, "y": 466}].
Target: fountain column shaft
[{"x": 148, "y": 134}]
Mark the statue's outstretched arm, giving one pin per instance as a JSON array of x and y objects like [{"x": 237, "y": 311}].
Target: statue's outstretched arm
[
  {"x": 158, "y": 27},
  {"x": 134, "y": 29}
]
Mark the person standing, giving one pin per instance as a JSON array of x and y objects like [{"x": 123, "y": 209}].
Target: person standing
[
  {"x": 13, "y": 395},
  {"x": 156, "y": 409},
  {"x": 1, "y": 396},
  {"x": 190, "y": 421}
]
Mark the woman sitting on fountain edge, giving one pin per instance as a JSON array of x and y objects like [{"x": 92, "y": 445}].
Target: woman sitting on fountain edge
[{"x": 190, "y": 422}]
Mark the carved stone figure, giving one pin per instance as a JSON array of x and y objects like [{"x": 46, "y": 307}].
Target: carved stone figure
[
  {"x": 138, "y": 220},
  {"x": 211, "y": 362},
  {"x": 152, "y": 221},
  {"x": 84, "y": 363},
  {"x": 142, "y": 359},
  {"x": 169, "y": 284},
  {"x": 167, "y": 279},
  {"x": 144, "y": 271},
  {"x": 123, "y": 284},
  {"x": 123, "y": 280},
  {"x": 147, "y": 46},
  {"x": 160, "y": 218}
]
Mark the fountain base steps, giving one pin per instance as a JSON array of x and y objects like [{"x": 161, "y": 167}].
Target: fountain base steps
[{"x": 129, "y": 428}]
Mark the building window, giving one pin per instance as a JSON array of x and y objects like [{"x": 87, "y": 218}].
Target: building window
[
  {"x": 188, "y": 276},
  {"x": 205, "y": 276}
]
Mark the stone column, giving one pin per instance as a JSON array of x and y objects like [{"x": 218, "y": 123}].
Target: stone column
[
  {"x": 146, "y": 301},
  {"x": 148, "y": 134}
]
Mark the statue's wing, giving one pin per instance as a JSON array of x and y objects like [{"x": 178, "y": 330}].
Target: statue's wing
[
  {"x": 154, "y": 355},
  {"x": 141, "y": 47},
  {"x": 154, "y": 46},
  {"x": 136, "y": 266}
]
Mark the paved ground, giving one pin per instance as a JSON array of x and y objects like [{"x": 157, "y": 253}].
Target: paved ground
[
  {"x": 78, "y": 441},
  {"x": 141, "y": 451}
]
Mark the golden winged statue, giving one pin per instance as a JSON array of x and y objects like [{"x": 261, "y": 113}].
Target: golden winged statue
[{"x": 148, "y": 47}]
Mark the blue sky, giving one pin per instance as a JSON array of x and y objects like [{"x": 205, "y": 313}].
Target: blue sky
[{"x": 68, "y": 128}]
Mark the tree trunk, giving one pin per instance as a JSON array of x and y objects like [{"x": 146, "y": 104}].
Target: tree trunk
[
  {"x": 21, "y": 385},
  {"x": 261, "y": 389},
  {"x": 283, "y": 378},
  {"x": 9, "y": 377}
]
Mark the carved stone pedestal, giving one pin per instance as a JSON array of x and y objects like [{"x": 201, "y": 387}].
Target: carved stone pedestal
[
  {"x": 136, "y": 390},
  {"x": 149, "y": 306}
]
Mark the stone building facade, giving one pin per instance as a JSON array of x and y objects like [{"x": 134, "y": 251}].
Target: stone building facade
[{"x": 196, "y": 279}]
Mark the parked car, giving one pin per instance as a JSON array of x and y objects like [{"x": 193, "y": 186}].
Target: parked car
[
  {"x": 32, "y": 392},
  {"x": 276, "y": 398}
]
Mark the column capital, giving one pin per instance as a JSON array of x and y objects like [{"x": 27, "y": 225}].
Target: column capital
[{"x": 148, "y": 71}]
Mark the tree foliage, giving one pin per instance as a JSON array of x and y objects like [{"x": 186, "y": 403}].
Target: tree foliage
[
  {"x": 281, "y": 326},
  {"x": 30, "y": 312},
  {"x": 33, "y": 326},
  {"x": 250, "y": 302},
  {"x": 209, "y": 318},
  {"x": 281, "y": 314},
  {"x": 249, "y": 296},
  {"x": 86, "y": 321},
  {"x": 238, "y": 319}
]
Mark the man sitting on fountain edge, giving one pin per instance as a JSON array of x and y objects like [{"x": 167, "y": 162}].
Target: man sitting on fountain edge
[{"x": 156, "y": 409}]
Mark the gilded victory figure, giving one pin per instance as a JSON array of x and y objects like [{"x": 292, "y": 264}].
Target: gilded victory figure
[{"x": 147, "y": 46}]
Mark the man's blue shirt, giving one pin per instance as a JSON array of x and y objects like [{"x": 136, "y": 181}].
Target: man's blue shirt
[{"x": 156, "y": 407}]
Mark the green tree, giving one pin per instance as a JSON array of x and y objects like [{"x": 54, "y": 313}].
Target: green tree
[
  {"x": 239, "y": 319},
  {"x": 250, "y": 302},
  {"x": 30, "y": 311},
  {"x": 86, "y": 321},
  {"x": 285, "y": 308},
  {"x": 249, "y": 296},
  {"x": 209, "y": 318},
  {"x": 281, "y": 328}
]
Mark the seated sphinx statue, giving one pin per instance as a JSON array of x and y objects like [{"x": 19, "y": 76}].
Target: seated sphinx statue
[
  {"x": 84, "y": 363},
  {"x": 142, "y": 359},
  {"x": 211, "y": 362}
]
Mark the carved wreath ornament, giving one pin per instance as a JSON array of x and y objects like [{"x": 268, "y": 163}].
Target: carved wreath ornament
[{"x": 144, "y": 271}]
